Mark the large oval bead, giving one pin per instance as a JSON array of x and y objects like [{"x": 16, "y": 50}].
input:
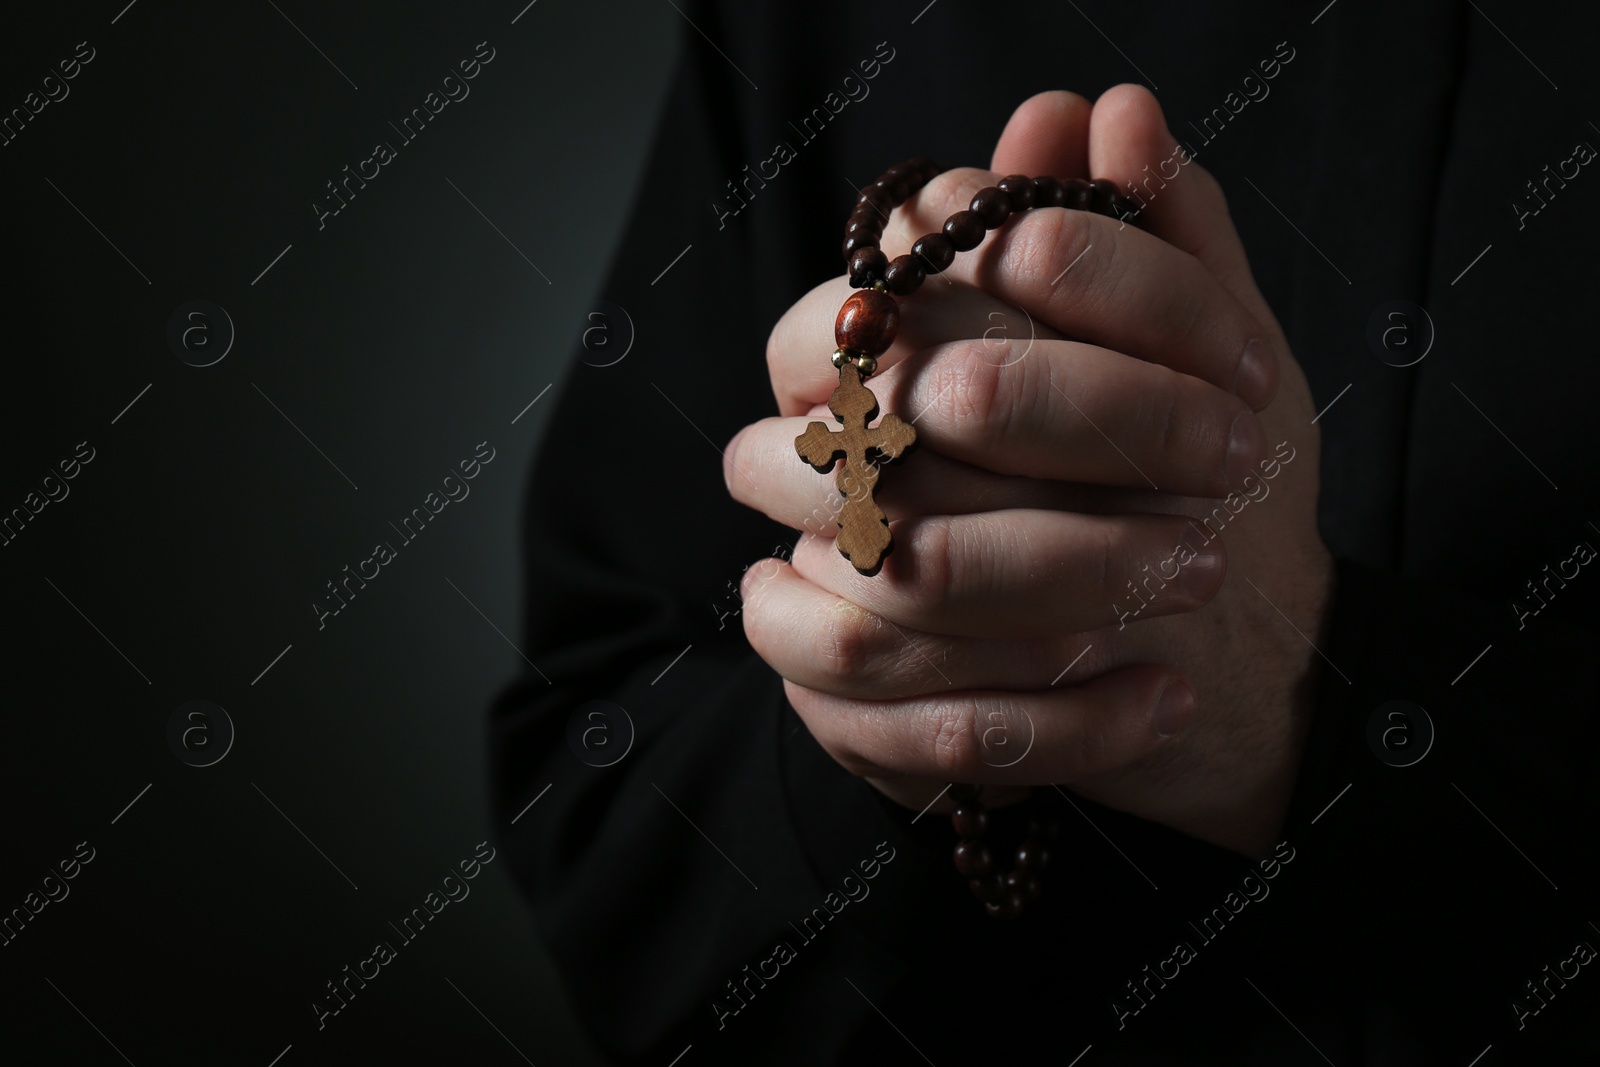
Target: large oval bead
[{"x": 867, "y": 322}]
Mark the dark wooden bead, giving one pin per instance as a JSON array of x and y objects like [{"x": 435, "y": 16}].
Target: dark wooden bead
[
  {"x": 1078, "y": 194},
  {"x": 1103, "y": 196},
  {"x": 869, "y": 212},
  {"x": 905, "y": 273},
  {"x": 867, "y": 322},
  {"x": 1022, "y": 882},
  {"x": 899, "y": 170},
  {"x": 856, "y": 243},
  {"x": 877, "y": 198},
  {"x": 861, "y": 224},
  {"x": 973, "y": 860},
  {"x": 992, "y": 206},
  {"x": 895, "y": 186},
  {"x": 1032, "y": 856},
  {"x": 969, "y": 822},
  {"x": 986, "y": 889},
  {"x": 935, "y": 251},
  {"x": 922, "y": 167},
  {"x": 1008, "y": 906},
  {"x": 867, "y": 266},
  {"x": 965, "y": 230},
  {"x": 1019, "y": 187},
  {"x": 1049, "y": 192}
]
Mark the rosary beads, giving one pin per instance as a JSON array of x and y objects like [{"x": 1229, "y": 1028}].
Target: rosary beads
[{"x": 865, "y": 329}]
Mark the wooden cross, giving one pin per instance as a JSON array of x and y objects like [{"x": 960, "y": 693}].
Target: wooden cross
[{"x": 863, "y": 537}]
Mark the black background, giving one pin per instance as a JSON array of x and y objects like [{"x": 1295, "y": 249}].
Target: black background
[{"x": 396, "y": 338}]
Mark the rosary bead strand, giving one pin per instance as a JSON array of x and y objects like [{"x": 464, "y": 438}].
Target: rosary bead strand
[{"x": 865, "y": 328}]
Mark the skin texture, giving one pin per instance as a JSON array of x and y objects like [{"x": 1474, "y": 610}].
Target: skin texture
[{"x": 1032, "y": 503}]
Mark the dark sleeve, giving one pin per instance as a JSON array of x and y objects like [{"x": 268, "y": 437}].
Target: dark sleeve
[
  {"x": 1444, "y": 820},
  {"x": 657, "y": 879}
]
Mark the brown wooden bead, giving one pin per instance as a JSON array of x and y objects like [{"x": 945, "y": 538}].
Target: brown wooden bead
[
  {"x": 867, "y": 224},
  {"x": 905, "y": 273},
  {"x": 973, "y": 860},
  {"x": 867, "y": 266},
  {"x": 856, "y": 243},
  {"x": 986, "y": 889},
  {"x": 1103, "y": 196},
  {"x": 965, "y": 230},
  {"x": 860, "y": 226},
  {"x": 867, "y": 322},
  {"x": 1078, "y": 194},
  {"x": 935, "y": 251},
  {"x": 992, "y": 206},
  {"x": 876, "y": 198},
  {"x": 1008, "y": 906},
  {"x": 1032, "y": 856},
  {"x": 1049, "y": 192},
  {"x": 895, "y": 186},
  {"x": 1024, "y": 883},
  {"x": 1019, "y": 188},
  {"x": 867, "y": 211},
  {"x": 969, "y": 822}
]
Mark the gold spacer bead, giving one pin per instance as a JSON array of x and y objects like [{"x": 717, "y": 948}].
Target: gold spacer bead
[
  {"x": 867, "y": 365},
  {"x": 879, "y": 286},
  {"x": 840, "y": 358}
]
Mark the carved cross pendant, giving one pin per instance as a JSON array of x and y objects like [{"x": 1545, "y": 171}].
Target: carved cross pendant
[{"x": 863, "y": 537}]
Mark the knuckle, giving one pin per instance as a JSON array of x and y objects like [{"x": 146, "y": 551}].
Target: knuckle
[
  {"x": 937, "y": 548},
  {"x": 949, "y": 192},
  {"x": 979, "y": 397},
  {"x": 956, "y": 741},
  {"x": 847, "y": 642},
  {"x": 1069, "y": 250}
]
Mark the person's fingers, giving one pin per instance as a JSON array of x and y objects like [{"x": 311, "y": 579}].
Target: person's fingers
[
  {"x": 1076, "y": 413},
  {"x": 1012, "y": 399},
  {"x": 985, "y": 736},
  {"x": 801, "y": 345},
  {"x": 994, "y": 436},
  {"x": 1026, "y": 573},
  {"x": 1047, "y": 134},
  {"x": 762, "y": 471},
  {"x": 1099, "y": 280},
  {"x": 822, "y": 641},
  {"x": 1181, "y": 202}
]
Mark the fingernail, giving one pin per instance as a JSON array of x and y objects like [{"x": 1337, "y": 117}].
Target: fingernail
[
  {"x": 1252, "y": 379},
  {"x": 1173, "y": 710},
  {"x": 1246, "y": 447},
  {"x": 1201, "y": 577}
]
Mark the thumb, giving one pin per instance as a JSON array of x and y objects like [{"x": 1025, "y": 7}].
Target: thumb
[{"x": 1047, "y": 134}]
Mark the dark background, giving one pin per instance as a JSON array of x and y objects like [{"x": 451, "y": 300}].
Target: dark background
[{"x": 396, "y": 339}]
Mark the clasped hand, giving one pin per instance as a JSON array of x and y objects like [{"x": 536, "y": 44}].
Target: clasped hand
[{"x": 1107, "y": 571}]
